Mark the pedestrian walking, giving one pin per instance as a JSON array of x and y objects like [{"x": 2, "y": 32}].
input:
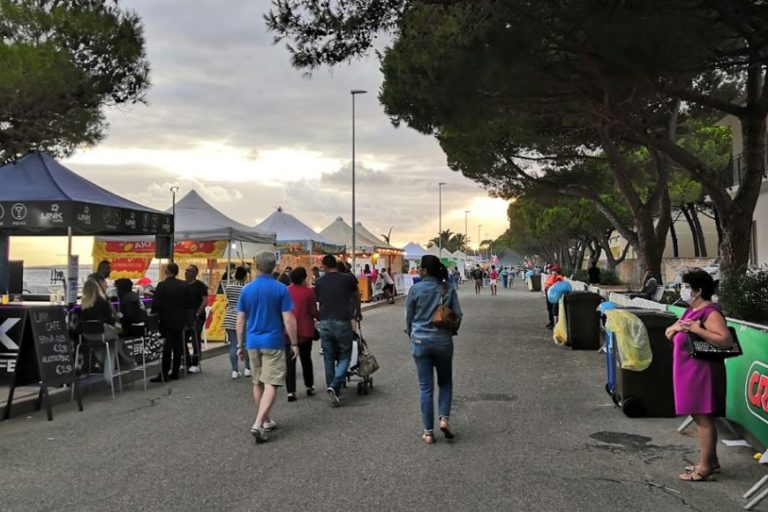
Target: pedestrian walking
[
  {"x": 389, "y": 285},
  {"x": 198, "y": 296},
  {"x": 305, "y": 312},
  {"x": 232, "y": 293},
  {"x": 170, "y": 302},
  {"x": 264, "y": 317},
  {"x": 699, "y": 384},
  {"x": 477, "y": 276},
  {"x": 339, "y": 300},
  {"x": 553, "y": 277},
  {"x": 493, "y": 276},
  {"x": 504, "y": 275},
  {"x": 432, "y": 346},
  {"x": 594, "y": 274}
]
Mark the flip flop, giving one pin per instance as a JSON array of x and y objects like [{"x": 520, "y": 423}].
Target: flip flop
[
  {"x": 695, "y": 476},
  {"x": 691, "y": 469}
]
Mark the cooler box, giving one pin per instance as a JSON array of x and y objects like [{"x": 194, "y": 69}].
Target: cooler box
[
  {"x": 534, "y": 283},
  {"x": 582, "y": 320},
  {"x": 648, "y": 393}
]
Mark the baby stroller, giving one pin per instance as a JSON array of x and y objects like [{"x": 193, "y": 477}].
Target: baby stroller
[{"x": 362, "y": 364}]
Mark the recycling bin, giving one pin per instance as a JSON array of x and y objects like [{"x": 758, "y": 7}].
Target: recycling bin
[
  {"x": 582, "y": 320},
  {"x": 648, "y": 393},
  {"x": 534, "y": 283}
]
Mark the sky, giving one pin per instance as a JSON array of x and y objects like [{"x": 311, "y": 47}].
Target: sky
[{"x": 229, "y": 117}]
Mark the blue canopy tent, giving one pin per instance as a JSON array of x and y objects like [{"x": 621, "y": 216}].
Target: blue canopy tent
[{"x": 41, "y": 197}]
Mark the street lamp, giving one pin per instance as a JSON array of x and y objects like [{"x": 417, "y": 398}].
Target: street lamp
[
  {"x": 440, "y": 218},
  {"x": 479, "y": 240},
  {"x": 174, "y": 189},
  {"x": 466, "y": 240},
  {"x": 354, "y": 92}
]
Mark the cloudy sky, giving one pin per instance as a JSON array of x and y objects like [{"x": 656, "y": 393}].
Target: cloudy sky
[{"x": 229, "y": 118}]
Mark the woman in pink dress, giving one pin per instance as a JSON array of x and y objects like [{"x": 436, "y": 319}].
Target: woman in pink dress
[{"x": 699, "y": 384}]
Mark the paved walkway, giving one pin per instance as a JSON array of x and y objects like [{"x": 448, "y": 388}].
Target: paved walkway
[{"x": 536, "y": 431}]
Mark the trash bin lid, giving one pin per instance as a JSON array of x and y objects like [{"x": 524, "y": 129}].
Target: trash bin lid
[
  {"x": 583, "y": 297},
  {"x": 654, "y": 319},
  {"x": 607, "y": 305}
]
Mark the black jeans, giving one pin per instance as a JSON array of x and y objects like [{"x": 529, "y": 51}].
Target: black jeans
[
  {"x": 305, "y": 355},
  {"x": 173, "y": 345},
  {"x": 194, "y": 335},
  {"x": 550, "y": 311}
]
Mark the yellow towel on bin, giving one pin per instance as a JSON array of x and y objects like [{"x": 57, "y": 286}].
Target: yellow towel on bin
[{"x": 560, "y": 332}]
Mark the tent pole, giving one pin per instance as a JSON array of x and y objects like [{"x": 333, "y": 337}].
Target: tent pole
[{"x": 69, "y": 259}]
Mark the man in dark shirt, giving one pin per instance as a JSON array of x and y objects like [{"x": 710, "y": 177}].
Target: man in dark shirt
[
  {"x": 594, "y": 273},
  {"x": 339, "y": 301},
  {"x": 198, "y": 299},
  {"x": 477, "y": 275},
  {"x": 170, "y": 303}
]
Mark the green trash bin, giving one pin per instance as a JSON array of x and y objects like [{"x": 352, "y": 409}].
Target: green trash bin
[
  {"x": 582, "y": 320},
  {"x": 649, "y": 393}
]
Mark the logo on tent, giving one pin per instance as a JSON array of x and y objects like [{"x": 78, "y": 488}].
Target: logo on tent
[
  {"x": 54, "y": 215},
  {"x": 111, "y": 217},
  {"x": 19, "y": 211},
  {"x": 85, "y": 216},
  {"x": 144, "y": 221},
  {"x": 131, "y": 221}
]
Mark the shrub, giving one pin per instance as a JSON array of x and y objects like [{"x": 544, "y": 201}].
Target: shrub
[
  {"x": 609, "y": 277},
  {"x": 580, "y": 275},
  {"x": 746, "y": 296}
]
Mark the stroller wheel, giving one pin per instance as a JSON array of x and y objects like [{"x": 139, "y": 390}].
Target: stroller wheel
[{"x": 360, "y": 388}]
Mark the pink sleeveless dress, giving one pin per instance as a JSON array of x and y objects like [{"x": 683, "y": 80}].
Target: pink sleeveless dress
[{"x": 699, "y": 385}]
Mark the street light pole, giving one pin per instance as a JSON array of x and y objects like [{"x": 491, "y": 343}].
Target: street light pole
[
  {"x": 174, "y": 189},
  {"x": 354, "y": 92},
  {"x": 440, "y": 219},
  {"x": 466, "y": 240},
  {"x": 479, "y": 240}
]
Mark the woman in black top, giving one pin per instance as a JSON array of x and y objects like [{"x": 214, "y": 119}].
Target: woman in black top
[
  {"x": 131, "y": 308},
  {"x": 96, "y": 307}
]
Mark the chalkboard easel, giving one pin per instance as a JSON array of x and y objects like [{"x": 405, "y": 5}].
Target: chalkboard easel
[{"x": 45, "y": 357}]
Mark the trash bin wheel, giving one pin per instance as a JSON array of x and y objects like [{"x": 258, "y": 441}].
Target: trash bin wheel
[{"x": 632, "y": 407}]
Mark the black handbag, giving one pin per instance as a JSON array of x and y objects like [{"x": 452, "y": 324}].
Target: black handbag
[{"x": 700, "y": 348}]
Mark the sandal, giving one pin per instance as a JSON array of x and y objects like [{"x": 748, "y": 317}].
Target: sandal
[
  {"x": 428, "y": 438},
  {"x": 695, "y": 476},
  {"x": 446, "y": 428},
  {"x": 715, "y": 468}
]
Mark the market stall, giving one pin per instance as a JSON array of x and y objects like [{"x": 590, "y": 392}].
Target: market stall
[
  {"x": 413, "y": 254},
  {"x": 41, "y": 197},
  {"x": 297, "y": 244},
  {"x": 203, "y": 236}
]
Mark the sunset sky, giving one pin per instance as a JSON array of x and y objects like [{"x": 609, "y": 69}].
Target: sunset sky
[{"x": 229, "y": 118}]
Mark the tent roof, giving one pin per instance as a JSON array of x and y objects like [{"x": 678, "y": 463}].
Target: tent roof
[
  {"x": 289, "y": 228},
  {"x": 39, "y": 196},
  {"x": 435, "y": 251},
  {"x": 196, "y": 219},
  {"x": 414, "y": 250},
  {"x": 339, "y": 232},
  {"x": 379, "y": 242}
]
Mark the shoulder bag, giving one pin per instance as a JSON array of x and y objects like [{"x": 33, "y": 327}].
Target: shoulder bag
[
  {"x": 366, "y": 361},
  {"x": 444, "y": 317},
  {"x": 700, "y": 348}
]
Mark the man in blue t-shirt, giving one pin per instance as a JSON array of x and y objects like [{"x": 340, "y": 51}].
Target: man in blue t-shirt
[{"x": 264, "y": 316}]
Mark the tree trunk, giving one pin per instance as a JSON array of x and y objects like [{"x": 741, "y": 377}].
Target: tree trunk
[
  {"x": 579, "y": 260},
  {"x": 594, "y": 251},
  {"x": 702, "y": 240},
  {"x": 692, "y": 226},
  {"x": 673, "y": 235},
  {"x": 718, "y": 227}
]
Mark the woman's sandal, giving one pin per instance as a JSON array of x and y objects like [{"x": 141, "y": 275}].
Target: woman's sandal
[
  {"x": 446, "y": 429},
  {"x": 690, "y": 469},
  {"x": 428, "y": 438},
  {"x": 695, "y": 476}
]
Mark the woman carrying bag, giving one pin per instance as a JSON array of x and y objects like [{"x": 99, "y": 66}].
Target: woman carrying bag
[
  {"x": 699, "y": 384},
  {"x": 432, "y": 318}
]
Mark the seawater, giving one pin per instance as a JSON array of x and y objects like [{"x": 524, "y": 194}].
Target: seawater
[{"x": 41, "y": 276}]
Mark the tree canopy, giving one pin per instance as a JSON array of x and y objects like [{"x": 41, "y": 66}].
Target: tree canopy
[{"x": 61, "y": 62}]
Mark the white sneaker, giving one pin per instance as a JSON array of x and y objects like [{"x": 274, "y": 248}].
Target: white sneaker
[
  {"x": 235, "y": 375},
  {"x": 194, "y": 369},
  {"x": 269, "y": 425},
  {"x": 247, "y": 372}
]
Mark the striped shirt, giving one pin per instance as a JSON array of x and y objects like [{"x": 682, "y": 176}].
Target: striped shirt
[{"x": 233, "y": 296}]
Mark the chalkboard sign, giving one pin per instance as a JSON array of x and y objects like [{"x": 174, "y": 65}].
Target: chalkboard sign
[
  {"x": 54, "y": 349},
  {"x": 45, "y": 357}
]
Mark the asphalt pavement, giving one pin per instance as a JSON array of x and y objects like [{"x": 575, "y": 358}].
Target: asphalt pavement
[{"x": 535, "y": 431}]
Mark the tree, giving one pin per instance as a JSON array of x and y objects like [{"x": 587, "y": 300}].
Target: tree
[
  {"x": 451, "y": 241},
  {"x": 621, "y": 60},
  {"x": 62, "y": 61}
]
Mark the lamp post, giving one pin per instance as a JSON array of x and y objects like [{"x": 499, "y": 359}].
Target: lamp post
[
  {"x": 354, "y": 92},
  {"x": 466, "y": 240},
  {"x": 440, "y": 218},
  {"x": 479, "y": 240},
  {"x": 174, "y": 189}
]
